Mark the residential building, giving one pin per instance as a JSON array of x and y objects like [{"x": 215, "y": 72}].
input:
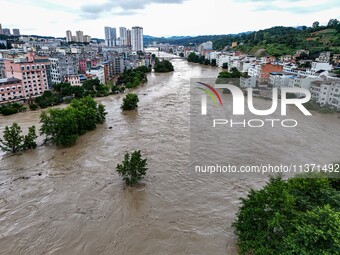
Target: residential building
[
  {"x": 109, "y": 70},
  {"x": 1, "y": 29},
  {"x": 16, "y": 31},
  {"x": 123, "y": 36},
  {"x": 266, "y": 69},
  {"x": 63, "y": 65},
  {"x": 119, "y": 65},
  {"x": 324, "y": 57},
  {"x": 69, "y": 36},
  {"x": 336, "y": 59},
  {"x": 2, "y": 69},
  {"x": 110, "y": 36},
  {"x": 248, "y": 82},
  {"x": 74, "y": 80},
  {"x": 137, "y": 39},
  {"x": 97, "y": 72},
  {"x": 317, "y": 66},
  {"x": 33, "y": 71},
  {"x": 206, "y": 46},
  {"x": 87, "y": 38},
  {"x": 87, "y": 64},
  {"x": 80, "y": 36},
  {"x": 279, "y": 79},
  {"x": 11, "y": 90},
  {"x": 128, "y": 38},
  {"x": 6, "y": 31}
]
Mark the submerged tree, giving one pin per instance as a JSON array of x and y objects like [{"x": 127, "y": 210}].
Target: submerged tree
[
  {"x": 130, "y": 102},
  {"x": 133, "y": 168},
  {"x": 13, "y": 140}
]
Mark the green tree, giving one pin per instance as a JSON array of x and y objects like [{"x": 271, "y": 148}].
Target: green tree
[
  {"x": 101, "y": 114},
  {"x": 63, "y": 126},
  {"x": 133, "y": 168},
  {"x": 130, "y": 102},
  {"x": 30, "y": 139},
  {"x": 316, "y": 24},
  {"x": 333, "y": 23},
  {"x": 225, "y": 66},
  {"x": 14, "y": 141}
]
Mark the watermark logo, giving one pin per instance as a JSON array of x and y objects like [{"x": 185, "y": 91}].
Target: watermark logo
[{"x": 239, "y": 99}]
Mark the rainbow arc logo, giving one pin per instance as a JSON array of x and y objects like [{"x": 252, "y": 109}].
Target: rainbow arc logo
[{"x": 211, "y": 91}]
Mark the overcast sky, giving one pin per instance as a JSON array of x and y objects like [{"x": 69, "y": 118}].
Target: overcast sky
[{"x": 162, "y": 17}]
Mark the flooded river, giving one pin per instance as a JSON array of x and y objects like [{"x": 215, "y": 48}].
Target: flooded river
[{"x": 71, "y": 201}]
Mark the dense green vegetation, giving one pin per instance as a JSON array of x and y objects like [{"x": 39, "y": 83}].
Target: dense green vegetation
[
  {"x": 298, "y": 216},
  {"x": 232, "y": 77},
  {"x": 133, "y": 168},
  {"x": 194, "y": 58},
  {"x": 130, "y": 102},
  {"x": 132, "y": 78},
  {"x": 163, "y": 66},
  {"x": 63, "y": 126},
  {"x": 48, "y": 98},
  {"x": 12, "y": 108},
  {"x": 14, "y": 141},
  {"x": 276, "y": 41}
]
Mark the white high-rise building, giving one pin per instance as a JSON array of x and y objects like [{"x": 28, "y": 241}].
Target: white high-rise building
[
  {"x": 80, "y": 36},
  {"x": 68, "y": 36},
  {"x": 123, "y": 36},
  {"x": 110, "y": 36},
  {"x": 137, "y": 39}
]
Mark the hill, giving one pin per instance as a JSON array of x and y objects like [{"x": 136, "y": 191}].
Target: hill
[{"x": 276, "y": 41}]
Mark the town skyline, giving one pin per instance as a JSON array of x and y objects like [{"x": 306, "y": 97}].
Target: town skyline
[{"x": 157, "y": 17}]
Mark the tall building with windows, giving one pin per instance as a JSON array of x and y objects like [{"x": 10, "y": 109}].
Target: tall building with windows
[
  {"x": 68, "y": 36},
  {"x": 16, "y": 31},
  {"x": 0, "y": 29},
  {"x": 33, "y": 72},
  {"x": 87, "y": 38},
  {"x": 123, "y": 36},
  {"x": 6, "y": 31},
  {"x": 128, "y": 37},
  {"x": 80, "y": 36},
  {"x": 137, "y": 39},
  {"x": 110, "y": 36}
]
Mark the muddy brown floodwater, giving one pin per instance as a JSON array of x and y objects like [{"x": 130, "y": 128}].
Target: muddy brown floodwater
[{"x": 71, "y": 201}]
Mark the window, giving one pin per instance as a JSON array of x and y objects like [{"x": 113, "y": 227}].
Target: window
[
  {"x": 22, "y": 68},
  {"x": 28, "y": 67}
]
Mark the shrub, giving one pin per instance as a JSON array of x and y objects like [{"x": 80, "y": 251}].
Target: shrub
[
  {"x": 130, "y": 102},
  {"x": 133, "y": 168},
  {"x": 33, "y": 107}
]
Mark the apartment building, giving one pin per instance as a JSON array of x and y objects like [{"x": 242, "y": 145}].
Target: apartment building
[
  {"x": 11, "y": 90},
  {"x": 33, "y": 71}
]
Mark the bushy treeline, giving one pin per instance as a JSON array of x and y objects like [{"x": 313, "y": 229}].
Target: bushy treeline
[
  {"x": 132, "y": 78},
  {"x": 298, "y": 216},
  {"x": 12, "y": 108},
  {"x": 63, "y": 126},
  {"x": 194, "y": 58},
  {"x": 163, "y": 66}
]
